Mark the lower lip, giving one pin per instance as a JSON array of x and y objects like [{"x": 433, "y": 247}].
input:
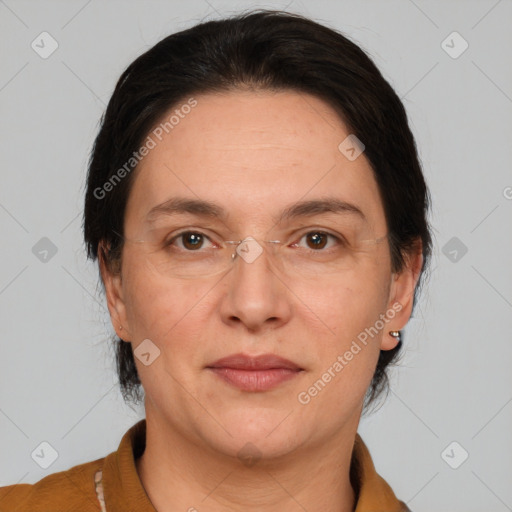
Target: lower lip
[{"x": 255, "y": 380}]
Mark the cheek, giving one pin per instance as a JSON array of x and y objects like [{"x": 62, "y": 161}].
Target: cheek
[
  {"x": 346, "y": 305},
  {"x": 156, "y": 306},
  {"x": 346, "y": 355},
  {"x": 173, "y": 316},
  {"x": 339, "y": 321}
]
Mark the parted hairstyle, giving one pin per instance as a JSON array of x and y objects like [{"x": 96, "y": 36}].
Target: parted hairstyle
[{"x": 257, "y": 50}]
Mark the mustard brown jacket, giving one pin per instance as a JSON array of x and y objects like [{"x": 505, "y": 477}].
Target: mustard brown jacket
[{"x": 112, "y": 484}]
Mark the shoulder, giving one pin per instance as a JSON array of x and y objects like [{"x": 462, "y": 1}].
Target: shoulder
[
  {"x": 70, "y": 490},
  {"x": 373, "y": 492}
]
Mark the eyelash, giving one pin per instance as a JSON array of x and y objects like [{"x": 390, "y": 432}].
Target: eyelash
[{"x": 339, "y": 240}]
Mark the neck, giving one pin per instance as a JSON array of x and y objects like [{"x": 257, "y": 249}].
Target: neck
[{"x": 179, "y": 474}]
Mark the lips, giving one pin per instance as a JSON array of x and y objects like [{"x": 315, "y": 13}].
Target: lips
[
  {"x": 260, "y": 373},
  {"x": 263, "y": 362}
]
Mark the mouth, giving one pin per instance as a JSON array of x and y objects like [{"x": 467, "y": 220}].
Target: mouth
[{"x": 260, "y": 373}]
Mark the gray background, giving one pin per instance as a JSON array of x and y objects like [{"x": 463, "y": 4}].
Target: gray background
[{"x": 57, "y": 379}]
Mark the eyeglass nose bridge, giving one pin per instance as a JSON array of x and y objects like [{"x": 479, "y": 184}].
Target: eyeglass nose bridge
[{"x": 249, "y": 248}]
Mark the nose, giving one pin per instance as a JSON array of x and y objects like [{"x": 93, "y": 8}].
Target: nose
[{"x": 257, "y": 296}]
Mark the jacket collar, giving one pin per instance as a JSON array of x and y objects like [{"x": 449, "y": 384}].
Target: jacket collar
[{"x": 123, "y": 490}]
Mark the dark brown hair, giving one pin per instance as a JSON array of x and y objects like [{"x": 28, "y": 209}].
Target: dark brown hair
[{"x": 261, "y": 49}]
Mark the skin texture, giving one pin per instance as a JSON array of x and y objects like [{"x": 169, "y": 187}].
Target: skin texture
[{"x": 254, "y": 153}]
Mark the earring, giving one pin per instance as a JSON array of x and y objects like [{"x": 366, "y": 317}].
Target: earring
[{"x": 395, "y": 334}]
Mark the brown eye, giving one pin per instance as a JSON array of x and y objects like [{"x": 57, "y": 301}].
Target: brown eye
[
  {"x": 316, "y": 240},
  {"x": 319, "y": 242},
  {"x": 192, "y": 240},
  {"x": 189, "y": 241}
]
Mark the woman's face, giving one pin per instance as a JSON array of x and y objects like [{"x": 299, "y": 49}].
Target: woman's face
[{"x": 254, "y": 155}]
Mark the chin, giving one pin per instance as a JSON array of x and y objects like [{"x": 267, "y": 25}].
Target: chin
[{"x": 260, "y": 431}]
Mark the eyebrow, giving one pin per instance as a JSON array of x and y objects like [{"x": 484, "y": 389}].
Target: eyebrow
[{"x": 208, "y": 209}]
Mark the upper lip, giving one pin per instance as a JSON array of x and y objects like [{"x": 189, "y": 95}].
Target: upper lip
[{"x": 261, "y": 362}]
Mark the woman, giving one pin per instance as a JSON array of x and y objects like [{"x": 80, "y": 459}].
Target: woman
[{"x": 259, "y": 215}]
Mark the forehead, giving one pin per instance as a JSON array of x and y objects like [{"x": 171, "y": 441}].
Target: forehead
[{"x": 255, "y": 153}]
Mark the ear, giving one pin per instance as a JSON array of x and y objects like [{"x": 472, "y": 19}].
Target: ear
[
  {"x": 112, "y": 281},
  {"x": 401, "y": 295}
]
